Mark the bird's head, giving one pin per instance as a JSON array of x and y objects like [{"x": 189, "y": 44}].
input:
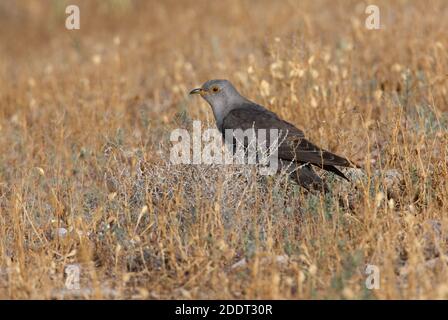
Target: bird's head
[{"x": 217, "y": 92}]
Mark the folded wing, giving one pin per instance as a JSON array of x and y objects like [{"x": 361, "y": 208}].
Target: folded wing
[{"x": 293, "y": 145}]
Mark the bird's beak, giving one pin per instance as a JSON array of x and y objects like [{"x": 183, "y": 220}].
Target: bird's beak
[{"x": 197, "y": 91}]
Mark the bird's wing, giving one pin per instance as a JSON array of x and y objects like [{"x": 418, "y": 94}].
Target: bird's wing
[
  {"x": 254, "y": 116},
  {"x": 302, "y": 150},
  {"x": 292, "y": 144}
]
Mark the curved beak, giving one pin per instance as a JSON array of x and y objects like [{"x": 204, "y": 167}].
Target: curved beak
[{"x": 196, "y": 91}]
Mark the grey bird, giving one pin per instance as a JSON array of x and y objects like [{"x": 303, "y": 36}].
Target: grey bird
[{"x": 298, "y": 155}]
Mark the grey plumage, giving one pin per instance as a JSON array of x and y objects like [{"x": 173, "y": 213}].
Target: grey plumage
[{"x": 233, "y": 111}]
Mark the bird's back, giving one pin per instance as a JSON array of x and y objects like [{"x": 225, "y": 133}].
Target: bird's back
[{"x": 251, "y": 115}]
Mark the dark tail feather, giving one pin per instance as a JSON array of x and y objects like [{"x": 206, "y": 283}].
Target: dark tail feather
[{"x": 334, "y": 170}]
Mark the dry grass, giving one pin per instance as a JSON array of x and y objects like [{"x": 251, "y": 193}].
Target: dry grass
[{"x": 85, "y": 118}]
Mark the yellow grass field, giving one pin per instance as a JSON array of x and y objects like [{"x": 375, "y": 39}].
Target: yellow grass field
[{"x": 85, "y": 176}]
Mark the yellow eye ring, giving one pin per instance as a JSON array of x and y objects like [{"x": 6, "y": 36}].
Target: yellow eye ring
[{"x": 215, "y": 89}]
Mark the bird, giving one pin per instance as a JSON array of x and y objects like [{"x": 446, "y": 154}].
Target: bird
[{"x": 297, "y": 154}]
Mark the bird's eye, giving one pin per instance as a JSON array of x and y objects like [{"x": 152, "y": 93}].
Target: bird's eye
[{"x": 215, "y": 89}]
